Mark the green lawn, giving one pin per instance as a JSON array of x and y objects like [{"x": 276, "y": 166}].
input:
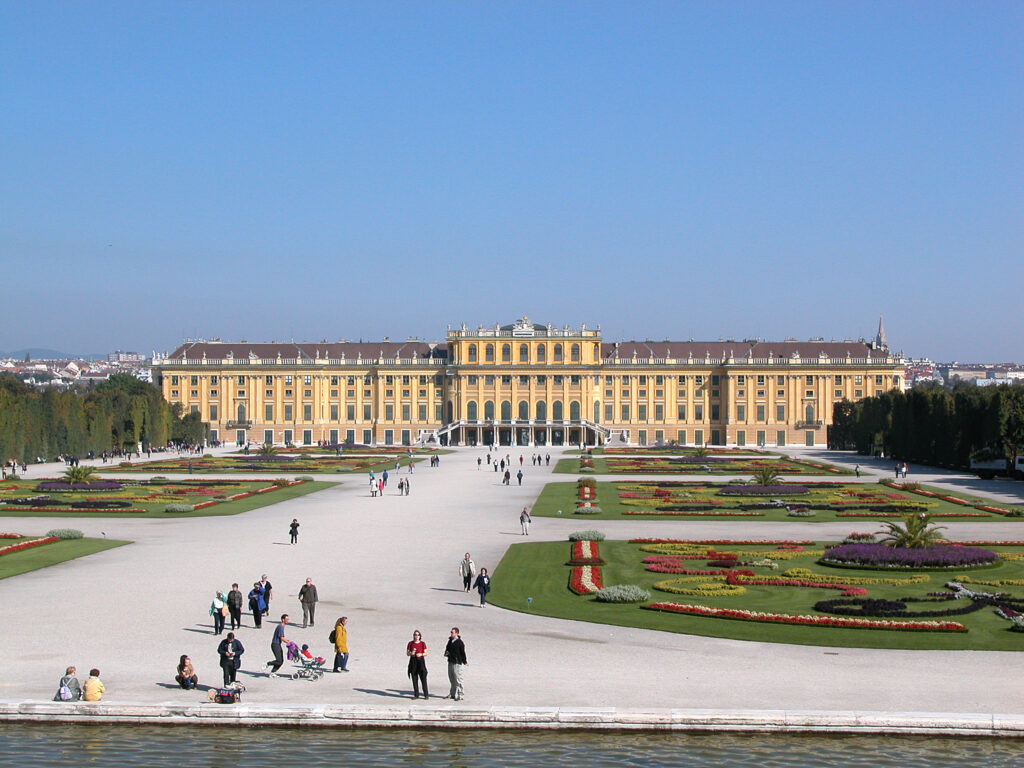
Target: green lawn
[
  {"x": 271, "y": 466},
  {"x": 539, "y": 571},
  {"x": 156, "y": 510},
  {"x": 50, "y": 554},
  {"x": 563, "y": 496},
  {"x": 662, "y": 464}
]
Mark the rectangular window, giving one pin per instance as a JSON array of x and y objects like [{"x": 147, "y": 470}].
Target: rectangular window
[
  {"x": 760, "y": 413},
  {"x": 715, "y": 412},
  {"x": 240, "y": 393},
  {"x": 334, "y": 382},
  {"x": 607, "y": 381},
  {"x": 288, "y": 436},
  {"x": 741, "y": 380},
  {"x": 698, "y": 412},
  {"x": 643, "y": 380},
  {"x": 698, "y": 437},
  {"x": 334, "y": 412},
  {"x": 808, "y": 380},
  {"x": 405, "y": 412},
  {"x": 213, "y": 413},
  {"x": 715, "y": 393},
  {"x": 659, "y": 412},
  {"x": 810, "y": 393},
  {"x": 174, "y": 381},
  {"x": 625, "y": 393},
  {"x": 194, "y": 381},
  {"x": 350, "y": 435},
  {"x": 760, "y": 393},
  {"x": 878, "y": 381},
  {"x": 350, "y": 393},
  {"x": 780, "y": 413},
  {"x": 542, "y": 379},
  {"x": 405, "y": 381},
  {"x": 288, "y": 380},
  {"x": 389, "y": 437},
  {"x": 642, "y": 393},
  {"x": 193, "y": 393},
  {"x": 741, "y": 413},
  {"x": 307, "y": 380},
  {"x": 268, "y": 412},
  {"x": 659, "y": 436},
  {"x": 838, "y": 380},
  {"x": 389, "y": 412},
  {"x": 507, "y": 380},
  {"x": 334, "y": 393},
  {"x": 367, "y": 437},
  {"x": 625, "y": 380},
  {"x": 288, "y": 413},
  {"x": 609, "y": 413},
  {"x": 406, "y": 437},
  {"x": 858, "y": 393},
  {"x": 557, "y": 381},
  {"x": 681, "y": 411},
  {"x": 780, "y": 393},
  {"x": 524, "y": 381},
  {"x": 839, "y": 393},
  {"x": 574, "y": 381},
  {"x": 289, "y": 392},
  {"x": 351, "y": 382},
  {"x": 268, "y": 437},
  {"x": 350, "y": 413},
  {"x": 422, "y": 413},
  {"x": 307, "y": 437},
  {"x": 438, "y": 413},
  {"x": 625, "y": 411},
  {"x": 333, "y": 437},
  {"x": 389, "y": 380},
  {"x": 307, "y": 393},
  {"x": 641, "y": 412},
  {"x": 714, "y": 380},
  {"x": 741, "y": 437},
  {"x": 366, "y": 413},
  {"x": 780, "y": 380},
  {"x": 193, "y": 409},
  {"x": 643, "y": 437},
  {"x": 760, "y": 381},
  {"x": 761, "y": 437},
  {"x": 471, "y": 380},
  {"x": 213, "y": 393},
  {"x": 681, "y": 436},
  {"x": 609, "y": 393},
  {"x": 698, "y": 380},
  {"x": 488, "y": 381},
  {"x": 213, "y": 381}
]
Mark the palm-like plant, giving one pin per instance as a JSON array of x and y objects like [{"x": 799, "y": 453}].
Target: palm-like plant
[
  {"x": 79, "y": 475},
  {"x": 265, "y": 450},
  {"x": 766, "y": 476},
  {"x": 915, "y": 532},
  {"x": 700, "y": 452}
]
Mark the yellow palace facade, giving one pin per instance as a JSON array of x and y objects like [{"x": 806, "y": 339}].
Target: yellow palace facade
[{"x": 524, "y": 384}]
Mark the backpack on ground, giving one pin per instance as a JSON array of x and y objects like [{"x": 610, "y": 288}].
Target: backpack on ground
[{"x": 227, "y": 696}]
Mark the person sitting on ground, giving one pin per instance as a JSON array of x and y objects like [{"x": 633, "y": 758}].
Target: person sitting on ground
[
  {"x": 93, "y": 689},
  {"x": 68, "y": 689},
  {"x": 186, "y": 677}
]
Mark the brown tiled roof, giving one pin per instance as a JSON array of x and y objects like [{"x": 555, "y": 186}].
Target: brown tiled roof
[
  {"x": 741, "y": 349},
  {"x": 308, "y": 351}
]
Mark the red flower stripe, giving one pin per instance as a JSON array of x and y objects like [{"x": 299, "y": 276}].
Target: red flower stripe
[
  {"x": 778, "y": 542},
  {"x": 585, "y": 553},
  {"x": 585, "y": 579},
  {"x": 746, "y": 578},
  {"x": 819, "y": 621},
  {"x": 27, "y": 544}
]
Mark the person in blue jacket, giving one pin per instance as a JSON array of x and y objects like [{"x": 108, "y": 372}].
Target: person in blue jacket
[{"x": 257, "y": 604}]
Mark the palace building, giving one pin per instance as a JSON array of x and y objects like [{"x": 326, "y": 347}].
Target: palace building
[{"x": 525, "y": 384}]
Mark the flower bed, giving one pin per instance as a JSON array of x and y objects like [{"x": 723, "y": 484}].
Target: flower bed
[
  {"x": 764, "y": 490},
  {"x": 585, "y": 552},
  {"x": 27, "y": 544},
  {"x": 882, "y": 556},
  {"x": 585, "y": 579},
  {"x": 62, "y": 486},
  {"x": 817, "y": 621}
]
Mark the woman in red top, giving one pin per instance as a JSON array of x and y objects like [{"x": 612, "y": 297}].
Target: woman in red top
[{"x": 416, "y": 650}]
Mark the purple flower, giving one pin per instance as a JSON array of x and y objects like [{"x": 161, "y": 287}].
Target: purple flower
[{"x": 881, "y": 555}]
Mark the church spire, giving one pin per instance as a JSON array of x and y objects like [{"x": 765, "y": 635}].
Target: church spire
[{"x": 880, "y": 341}]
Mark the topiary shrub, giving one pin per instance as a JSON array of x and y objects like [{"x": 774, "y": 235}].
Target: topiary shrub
[
  {"x": 911, "y": 486},
  {"x": 179, "y": 507},
  {"x": 588, "y": 535},
  {"x": 587, "y": 511},
  {"x": 13, "y": 477},
  {"x": 801, "y": 513},
  {"x": 65, "y": 533},
  {"x": 586, "y": 482},
  {"x": 622, "y": 593},
  {"x": 304, "y": 479},
  {"x": 281, "y": 482}
]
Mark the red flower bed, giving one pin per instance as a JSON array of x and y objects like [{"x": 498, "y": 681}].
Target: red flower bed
[
  {"x": 691, "y": 513},
  {"x": 747, "y": 578},
  {"x": 27, "y": 544},
  {"x": 585, "y": 579},
  {"x": 993, "y": 510},
  {"x": 585, "y": 553},
  {"x": 10, "y": 535},
  {"x": 818, "y": 621},
  {"x": 119, "y": 510},
  {"x": 778, "y": 542}
]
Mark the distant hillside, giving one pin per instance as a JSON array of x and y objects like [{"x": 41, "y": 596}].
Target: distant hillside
[{"x": 38, "y": 353}]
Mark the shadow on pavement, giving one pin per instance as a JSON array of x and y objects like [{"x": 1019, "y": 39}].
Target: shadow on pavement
[{"x": 390, "y": 693}]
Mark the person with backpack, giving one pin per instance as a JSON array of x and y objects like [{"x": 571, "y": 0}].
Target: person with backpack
[
  {"x": 339, "y": 636},
  {"x": 68, "y": 689}
]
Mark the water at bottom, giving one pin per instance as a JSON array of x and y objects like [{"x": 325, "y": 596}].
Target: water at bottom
[{"x": 35, "y": 746}]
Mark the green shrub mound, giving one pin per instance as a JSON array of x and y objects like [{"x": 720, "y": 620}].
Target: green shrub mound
[
  {"x": 304, "y": 479},
  {"x": 588, "y": 535},
  {"x": 65, "y": 533},
  {"x": 178, "y": 508},
  {"x": 281, "y": 482},
  {"x": 588, "y": 470},
  {"x": 622, "y": 593},
  {"x": 587, "y": 511}
]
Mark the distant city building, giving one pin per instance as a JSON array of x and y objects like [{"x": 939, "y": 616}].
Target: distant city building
[
  {"x": 125, "y": 357},
  {"x": 525, "y": 384}
]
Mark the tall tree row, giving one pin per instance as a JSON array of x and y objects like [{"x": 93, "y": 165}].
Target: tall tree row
[
  {"x": 118, "y": 413},
  {"x": 932, "y": 425}
]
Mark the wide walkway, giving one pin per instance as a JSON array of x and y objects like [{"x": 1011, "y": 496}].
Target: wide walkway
[{"x": 391, "y": 565}]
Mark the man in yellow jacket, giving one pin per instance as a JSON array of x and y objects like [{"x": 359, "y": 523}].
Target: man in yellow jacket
[
  {"x": 93, "y": 689},
  {"x": 340, "y": 637}
]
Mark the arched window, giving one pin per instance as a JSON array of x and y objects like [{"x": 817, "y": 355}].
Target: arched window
[
  {"x": 808, "y": 411},
  {"x": 541, "y": 353},
  {"x": 597, "y": 411},
  {"x": 489, "y": 353},
  {"x": 558, "y": 353},
  {"x": 471, "y": 410},
  {"x": 542, "y": 410},
  {"x": 574, "y": 353},
  {"x": 471, "y": 353},
  {"x": 556, "y": 410},
  {"x": 241, "y": 412},
  {"x": 506, "y": 410},
  {"x": 489, "y": 409},
  {"x": 524, "y": 353},
  {"x": 506, "y": 353},
  {"x": 524, "y": 410},
  {"x": 574, "y": 411}
]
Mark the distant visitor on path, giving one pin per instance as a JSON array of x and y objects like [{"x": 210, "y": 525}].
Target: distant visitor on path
[
  {"x": 519, "y": 476},
  {"x": 257, "y": 604},
  {"x": 416, "y": 650},
  {"x": 268, "y": 592},
  {"x": 455, "y": 652},
  {"x": 293, "y": 531},
  {"x": 483, "y": 586},
  {"x": 235, "y": 606},
  {"x": 467, "y": 569},
  {"x": 276, "y": 643},
  {"x": 340, "y": 639},
  {"x": 524, "y": 521},
  {"x": 186, "y": 677},
  {"x": 93, "y": 689},
  {"x": 230, "y": 651},
  {"x": 68, "y": 687},
  {"x": 219, "y": 611},
  {"x": 308, "y": 599}
]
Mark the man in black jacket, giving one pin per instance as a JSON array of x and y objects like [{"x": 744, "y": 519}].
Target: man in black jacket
[
  {"x": 235, "y": 606},
  {"x": 455, "y": 652}
]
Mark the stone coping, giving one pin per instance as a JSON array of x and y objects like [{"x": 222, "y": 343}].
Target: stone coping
[{"x": 575, "y": 718}]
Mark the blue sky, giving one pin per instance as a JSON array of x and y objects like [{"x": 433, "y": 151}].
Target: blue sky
[{"x": 316, "y": 170}]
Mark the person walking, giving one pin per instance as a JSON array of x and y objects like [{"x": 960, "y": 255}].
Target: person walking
[
  {"x": 857, "y": 470},
  {"x": 68, "y": 687},
  {"x": 479, "y": 463},
  {"x": 235, "y": 606},
  {"x": 268, "y": 592},
  {"x": 483, "y": 586},
  {"x": 257, "y": 604},
  {"x": 519, "y": 476},
  {"x": 340, "y": 639},
  {"x": 384, "y": 478},
  {"x": 416, "y": 650},
  {"x": 467, "y": 569},
  {"x": 293, "y": 531},
  {"x": 230, "y": 651},
  {"x": 455, "y": 652},
  {"x": 508, "y": 476},
  {"x": 407, "y": 486},
  {"x": 401, "y": 486},
  {"x": 218, "y": 609},
  {"x": 276, "y": 643},
  {"x": 308, "y": 598},
  {"x": 524, "y": 521}
]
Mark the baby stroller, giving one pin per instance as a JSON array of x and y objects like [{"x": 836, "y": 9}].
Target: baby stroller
[{"x": 312, "y": 666}]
